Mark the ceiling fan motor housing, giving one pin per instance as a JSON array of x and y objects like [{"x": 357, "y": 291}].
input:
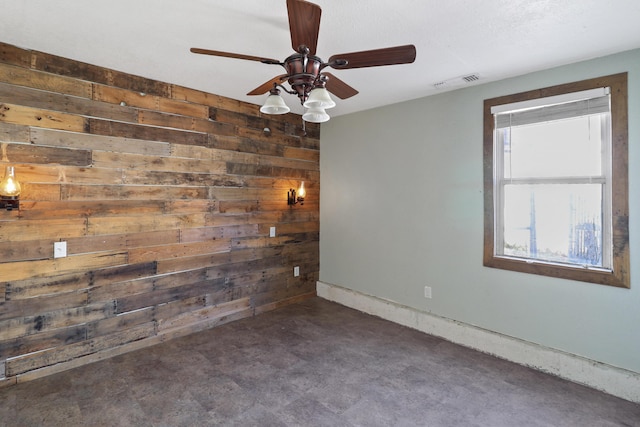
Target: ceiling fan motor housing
[{"x": 303, "y": 71}]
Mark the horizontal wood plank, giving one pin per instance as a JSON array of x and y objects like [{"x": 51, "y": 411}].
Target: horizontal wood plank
[
  {"x": 83, "y": 71},
  {"x": 24, "y": 153},
  {"x": 25, "y": 250},
  {"x": 56, "y": 355},
  {"x": 21, "y": 115},
  {"x": 118, "y": 323},
  {"x": 43, "y": 209},
  {"x": 25, "y": 344},
  {"x": 32, "y": 269},
  {"x": 64, "y": 103},
  {"x": 14, "y": 55},
  {"x": 180, "y": 250},
  {"x": 141, "y": 224},
  {"x": 18, "y": 76},
  {"x": 99, "y": 143},
  {"x": 154, "y": 163},
  {"x": 38, "y": 230},
  {"x": 49, "y": 285},
  {"x": 34, "y": 306},
  {"x": 132, "y": 192},
  {"x": 162, "y": 296},
  {"x": 10, "y": 132},
  {"x": 149, "y": 133}
]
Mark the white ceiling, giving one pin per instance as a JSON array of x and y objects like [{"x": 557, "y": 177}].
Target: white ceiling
[{"x": 493, "y": 38}]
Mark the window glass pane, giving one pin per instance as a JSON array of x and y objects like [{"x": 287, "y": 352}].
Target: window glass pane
[
  {"x": 554, "y": 222},
  {"x": 561, "y": 148}
]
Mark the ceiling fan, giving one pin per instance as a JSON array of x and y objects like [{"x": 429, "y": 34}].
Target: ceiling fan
[{"x": 305, "y": 71}]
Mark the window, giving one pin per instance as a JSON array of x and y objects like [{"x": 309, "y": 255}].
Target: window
[{"x": 556, "y": 181}]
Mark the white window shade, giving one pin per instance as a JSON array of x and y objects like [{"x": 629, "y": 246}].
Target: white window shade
[
  {"x": 550, "y": 100},
  {"x": 549, "y": 112}
]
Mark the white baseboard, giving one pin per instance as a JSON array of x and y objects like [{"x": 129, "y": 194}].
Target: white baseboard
[{"x": 615, "y": 381}]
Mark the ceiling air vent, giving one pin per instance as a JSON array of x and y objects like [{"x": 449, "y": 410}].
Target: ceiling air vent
[
  {"x": 441, "y": 85},
  {"x": 471, "y": 78},
  {"x": 457, "y": 81}
]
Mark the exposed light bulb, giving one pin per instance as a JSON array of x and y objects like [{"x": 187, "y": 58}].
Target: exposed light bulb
[{"x": 9, "y": 186}]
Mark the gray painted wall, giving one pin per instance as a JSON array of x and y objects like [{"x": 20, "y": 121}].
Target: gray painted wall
[{"x": 402, "y": 207}]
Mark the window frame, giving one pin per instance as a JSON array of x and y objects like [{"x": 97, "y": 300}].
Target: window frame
[{"x": 619, "y": 275}]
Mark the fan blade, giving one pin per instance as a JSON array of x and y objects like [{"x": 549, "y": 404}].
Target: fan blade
[
  {"x": 374, "y": 58},
  {"x": 339, "y": 88},
  {"x": 267, "y": 86},
  {"x": 304, "y": 24},
  {"x": 234, "y": 55}
]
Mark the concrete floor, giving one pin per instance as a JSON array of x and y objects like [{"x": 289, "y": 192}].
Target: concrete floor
[{"x": 311, "y": 364}]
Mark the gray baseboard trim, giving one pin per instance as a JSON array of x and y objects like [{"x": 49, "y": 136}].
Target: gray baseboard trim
[{"x": 615, "y": 381}]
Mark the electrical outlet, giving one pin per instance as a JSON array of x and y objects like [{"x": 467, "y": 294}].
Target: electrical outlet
[
  {"x": 59, "y": 249},
  {"x": 296, "y": 271},
  {"x": 272, "y": 232},
  {"x": 427, "y": 292}
]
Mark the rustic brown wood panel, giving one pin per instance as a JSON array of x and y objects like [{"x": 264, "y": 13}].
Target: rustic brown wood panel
[
  {"x": 22, "y": 270},
  {"x": 25, "y": 344},
  {"x": 18, "y": 76},
  {"x": 13, "y": 55},
  {"x": 98, "y": 144},
  {"x": 24, "y": 153},
  {"x": 89, "y": 72},
  {"x": 151, "y": 133},
  {"x": 132, "y": 192},
  {"x": 54, "y": 355},
  {"x": 153, "y": 163},
  {"x": 118, "y": 323},
  {"x": 25, "y": 250},
  {"x": 50, "y": 285},
  {"x": 142, "y": 224},
  {"x": 44, "y": 304},
  {"x": 68, "y": 104},
  {"x": 10, "y": 132},
  {"x": 149, "y": 102},
  {"x": 18, "y": 114},
  {"x": 46, "y": 209},
  {"x": 11, "y": 231},
  {"x": 164, "y": 195}
]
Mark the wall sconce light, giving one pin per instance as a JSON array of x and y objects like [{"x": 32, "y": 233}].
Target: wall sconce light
[
  {"x": 293, "y": 199},
  {"x": 9, "y": 190}
]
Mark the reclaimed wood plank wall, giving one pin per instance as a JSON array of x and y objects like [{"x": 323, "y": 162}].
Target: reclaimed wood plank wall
[{"x": 165, "y": 196}]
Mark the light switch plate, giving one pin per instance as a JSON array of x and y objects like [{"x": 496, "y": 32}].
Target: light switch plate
[
  {"x": 59, "y": 249},
  {"x": 296, "y": 271},
  {"x": 272, "y": 232},
  {"x": 427, "y": 291}
]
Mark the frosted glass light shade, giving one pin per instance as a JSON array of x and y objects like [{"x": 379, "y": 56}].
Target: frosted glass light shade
[
  {"x": 315, "y": 115},
  {"x": 274, "y": 105},
  {"x": 320, "y": 98}
]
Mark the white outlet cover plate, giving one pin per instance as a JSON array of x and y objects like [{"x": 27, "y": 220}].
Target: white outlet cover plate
[
  {"x": 59, "y": 249},
  {"x": 296, "y": 271},
  {"x": 272, "y": 232}
]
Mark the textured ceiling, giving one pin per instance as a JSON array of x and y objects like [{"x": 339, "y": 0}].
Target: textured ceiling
[{"x": 492, "y": 38}]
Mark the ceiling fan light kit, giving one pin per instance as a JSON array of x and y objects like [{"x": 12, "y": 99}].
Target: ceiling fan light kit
[
  {"x": 274, "y": 104},
  {"x": 319, "y": 98},
  {"x": 315, "y": 115},
  {"x": 304, "y": 70}
]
